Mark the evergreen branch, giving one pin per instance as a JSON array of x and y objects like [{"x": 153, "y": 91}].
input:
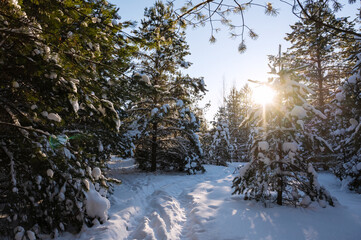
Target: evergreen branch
[
  {"x": 316, "y": 20},
  {"x": 26, "y": 128},
  {"x": 193, "y": 9}
]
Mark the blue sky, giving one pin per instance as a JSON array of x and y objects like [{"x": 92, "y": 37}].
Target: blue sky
[{"x": 222, "y": 60}]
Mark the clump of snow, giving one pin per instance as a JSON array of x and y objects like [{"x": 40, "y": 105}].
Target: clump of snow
[
  {"x": 340, "y": 96},
  {"x": 73, "y": 82},
  {"x": 193, "y": 118},
  {"x": 36, "y": 51},
  {"x": 94, "y": 19},
  {"x": 100, "y": 147},
  {"x": 96, "y": 205},
  {"x": 322, "y": 203},
  {"x": 143, "y": 77},
  {"x": 299, "y": 112},
  {"x": 33, "y": 107},
  {"x": 19, "y": 233},
  {"x": 38, "y": 179},
  {"x": 74, "y": 102},
  {"x": 86, "y": 183},
  {"x": 338, "y": 132},
  {"x": 53, "y": 75},
  {"x": 146, "y": 79},
  {"x": 61, "y": 226},
  {"x": 352, "y": 79},
  {"x": 96, "y": 173},
  {"x": 264, "y": 159},
  {"x": 165, "y": 108},
  {"x": 242, "y": 170},
  {"x": 44, "y": 113},
  {"x": 15, "y": 84},
  {"x": 353, "y": 123},
  {"x": 185, "y": 64},
  {"x": 263, "y": 146},
  {"x": 290, "y": 146},
  {"x": 50, "y": 173},
  {"x": 154, "y": 111},
  {"x": 54, "y": 117},
  {"x": 338, "y": 111},
  {"x": 301, "y": 123},
  {"x": 179, "y": 103},
  {"x": 306, "y": 201},
  {"x": 110, "y": 106},
  {"x": 31, "y": 235}
]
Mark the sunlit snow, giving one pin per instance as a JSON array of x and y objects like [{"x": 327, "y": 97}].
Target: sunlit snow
[{"x": 179, "y": 206}]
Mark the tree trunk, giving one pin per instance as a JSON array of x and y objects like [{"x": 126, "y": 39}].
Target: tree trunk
[
  {"x": 320, "y": 78},
  {"x": 154, "y": 148},
  {"x": 280, "y": 176},
  {"x": 280, "y": 190},
  {"x": 321, "y": 101}
]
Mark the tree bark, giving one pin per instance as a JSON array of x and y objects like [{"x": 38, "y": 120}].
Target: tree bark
[
  {"x": 280, "y": 175},
  {"x": 154, "y": 148}
]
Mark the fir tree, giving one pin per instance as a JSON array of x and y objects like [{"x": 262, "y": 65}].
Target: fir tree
[
  {"x": 168, "y": 126},
  {"x": 320, "y": 58},
  {"x": 220, "y": 149},
  {"x": 281, "y": 144},
  {"x": 347, "y": 133},
  {"x": 320, "y": 55},
  {"x": 237, "y": 105},
  {"x": 60, "y": 63}
]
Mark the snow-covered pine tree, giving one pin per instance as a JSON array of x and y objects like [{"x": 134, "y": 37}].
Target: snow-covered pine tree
[
  {"x": 278, "y": 169},
  {"x": 220, "y": 149},
  {"x": 320, "y": 55},
  {"x": 238, "y": 103},
  {"x": 60, "y": 63},
  {"x": 348, "y": 115},
  {"x": 163, "y": 114}
]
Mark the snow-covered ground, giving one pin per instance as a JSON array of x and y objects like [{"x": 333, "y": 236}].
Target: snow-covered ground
[{"x": 178, "y": 206}]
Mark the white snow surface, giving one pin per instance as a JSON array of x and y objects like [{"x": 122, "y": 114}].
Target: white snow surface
[{"x": 179, "y": 206}]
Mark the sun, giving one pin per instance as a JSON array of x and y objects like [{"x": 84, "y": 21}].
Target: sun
[{"x": 263, "y": 95}]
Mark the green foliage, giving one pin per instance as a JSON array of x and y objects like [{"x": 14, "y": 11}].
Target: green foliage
[
  {"x": 62, "y": 65},
  {"x": 220, "y": 149},
  {"x": 163, "y": 116},
  {"x": 320, "y": 55},
  {"x": 347, "y": 132},
  {"x": 279, "y": 169}
]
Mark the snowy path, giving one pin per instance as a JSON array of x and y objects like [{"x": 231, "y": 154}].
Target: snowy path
[{"x": 177, "y": 206}]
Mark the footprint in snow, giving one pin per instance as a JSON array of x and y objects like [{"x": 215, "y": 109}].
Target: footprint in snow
[
  {"x": 211, "y": 218},
  {"x": 213, "y": 206}
]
